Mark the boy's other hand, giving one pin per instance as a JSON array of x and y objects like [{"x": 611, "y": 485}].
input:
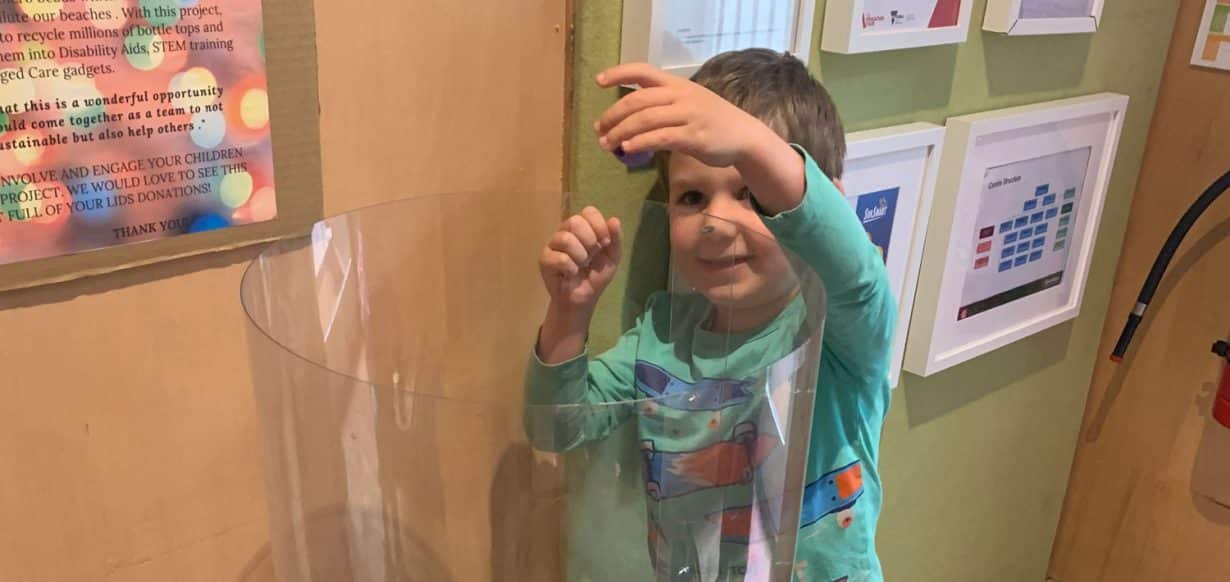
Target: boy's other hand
[
  {"x": 675, "y": 114},
  {"x": 580, "y": 260}
]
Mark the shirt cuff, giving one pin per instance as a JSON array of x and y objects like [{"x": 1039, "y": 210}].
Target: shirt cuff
[
  {"x": 562, "y": 383},
  {"x": 816, "y": 185}
]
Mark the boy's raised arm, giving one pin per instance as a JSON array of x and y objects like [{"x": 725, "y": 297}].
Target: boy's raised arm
[
  {"x": 827, "y": 234},
  {"x": 565, "y": 390}
]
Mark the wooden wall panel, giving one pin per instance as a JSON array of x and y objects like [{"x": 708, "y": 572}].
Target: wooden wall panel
[
  {"x": 1131, "y": 514},
  {"x": 425, "y": 97},
  {"x": 129, "y": 446}
]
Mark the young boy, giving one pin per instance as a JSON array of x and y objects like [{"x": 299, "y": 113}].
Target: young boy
[{"x": 752, "y": 141}]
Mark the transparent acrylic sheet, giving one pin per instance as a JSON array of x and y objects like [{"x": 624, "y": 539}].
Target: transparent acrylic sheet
[{"x": 391, "y": 350}]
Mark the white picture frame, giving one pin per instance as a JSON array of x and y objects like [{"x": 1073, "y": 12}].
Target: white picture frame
[
  {"x": 1034, "y": 17},
  {"x": 1018, "y": 202},
  {"x": 863, "y": 26},
  {"x": 678, "y": 36},
  {"x": 1212, "y": 49},
  {"x": 898, "y": 165}
]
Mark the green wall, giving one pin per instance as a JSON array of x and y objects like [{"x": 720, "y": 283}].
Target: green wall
[{"x": 975, "y": 459}]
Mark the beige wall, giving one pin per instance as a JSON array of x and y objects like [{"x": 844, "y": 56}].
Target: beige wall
[{"x": 129, "y": 449}]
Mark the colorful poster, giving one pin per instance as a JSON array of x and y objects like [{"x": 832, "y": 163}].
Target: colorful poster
[
  {"x": 877, "y": 211},
  {"x": 1213, "y": 36},
  {"x": 1056, "y": 8},
  {"x": 124, "y": 121},
  {"x": 898, "y": 15}
]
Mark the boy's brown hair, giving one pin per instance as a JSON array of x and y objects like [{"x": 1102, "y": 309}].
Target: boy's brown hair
[{"x": 777, "y": 89}]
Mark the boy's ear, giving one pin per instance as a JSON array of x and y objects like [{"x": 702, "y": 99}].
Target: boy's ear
[{"x": 840, "y": 187}]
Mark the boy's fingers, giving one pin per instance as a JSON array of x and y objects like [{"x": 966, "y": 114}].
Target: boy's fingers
[
  {"x": 617, "y": 238},
  {"x": 567, "y": 266},
  {"x": 666, "y": 138},
  {"x": 644, "y": 121},
  {"x": 633, "y": 102},
  {"x": 559, "y": 263},
  {"x": 579, "y": 226},
  {"x": 598, "y": 224},
  {"x": 567, "y": 243},
  {"x": 642, "y": 74}
]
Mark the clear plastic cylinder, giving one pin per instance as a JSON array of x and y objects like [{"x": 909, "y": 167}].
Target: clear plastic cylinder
[{"x": 409, "y": 436}]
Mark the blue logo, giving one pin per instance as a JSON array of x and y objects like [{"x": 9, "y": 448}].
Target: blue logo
[{"x": 876, "y": 210}]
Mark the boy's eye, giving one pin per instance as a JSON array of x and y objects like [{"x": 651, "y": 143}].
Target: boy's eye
[{"x": 690, "y": 198}]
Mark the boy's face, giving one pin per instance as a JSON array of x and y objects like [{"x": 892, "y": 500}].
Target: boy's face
[{"x": 719, "y": 242}]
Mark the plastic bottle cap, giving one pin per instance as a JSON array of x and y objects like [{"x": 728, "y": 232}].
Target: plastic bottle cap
[{"x": 636, "y": 160}]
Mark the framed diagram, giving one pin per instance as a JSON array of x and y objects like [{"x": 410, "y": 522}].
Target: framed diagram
[
  {"x": 861, "y": 26},
  {"x": 889, "y": 180},
  {"x": 1213, "y": 37},
  {"x": 1026, "y": 17},
  {"x": 1012, "y": 231},
  {"x": 678, "y": 36}
]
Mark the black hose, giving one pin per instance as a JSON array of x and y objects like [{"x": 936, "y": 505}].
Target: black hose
[{"x": 1163, "y": 261}]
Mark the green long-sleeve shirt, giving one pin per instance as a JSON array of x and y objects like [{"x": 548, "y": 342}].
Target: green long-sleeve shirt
[{"x": 698, "y": 451}]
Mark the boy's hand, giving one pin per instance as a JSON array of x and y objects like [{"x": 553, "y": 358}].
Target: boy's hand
[
  {"x": 576, "y": 265},
  {"x": 579, "y": 261},
  {"x": 672, "y": 113},
  {"x": 675, "y": 114}
]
